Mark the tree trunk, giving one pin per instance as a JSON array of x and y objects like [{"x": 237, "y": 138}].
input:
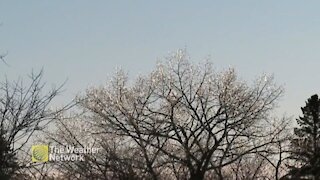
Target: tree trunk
[{"x": 197, "y": 176}]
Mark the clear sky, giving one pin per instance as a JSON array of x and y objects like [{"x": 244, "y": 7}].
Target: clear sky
[{"x": 84, "y": 41}]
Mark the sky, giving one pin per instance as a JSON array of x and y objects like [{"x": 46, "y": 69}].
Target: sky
[{"x": 84, "y": 41}]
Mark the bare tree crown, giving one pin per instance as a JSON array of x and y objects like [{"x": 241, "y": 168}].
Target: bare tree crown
[{"x": 185, "y": 118}]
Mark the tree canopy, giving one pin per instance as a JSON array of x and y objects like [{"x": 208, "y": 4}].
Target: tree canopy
[{"x": 306, "y": 143}]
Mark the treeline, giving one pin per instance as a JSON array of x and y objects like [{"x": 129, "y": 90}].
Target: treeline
[{"x": 181, "y": 121}]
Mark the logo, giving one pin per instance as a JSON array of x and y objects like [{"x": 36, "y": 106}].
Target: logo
[
  {"x": 44, "y": 153},
  {"x": 40, "y": 153}
]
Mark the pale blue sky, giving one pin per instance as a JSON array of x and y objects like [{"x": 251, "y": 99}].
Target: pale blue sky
[{"x": 85, "y": 41}]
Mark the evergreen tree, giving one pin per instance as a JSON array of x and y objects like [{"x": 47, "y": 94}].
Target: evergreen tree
[
  {"x": 8, "y": 163},
  {"x": 306, "y": 142}
]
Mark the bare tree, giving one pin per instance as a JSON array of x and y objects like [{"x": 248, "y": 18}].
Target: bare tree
[
  {"x": 186, "y": 120},
  {"x": 117, "y": 159},
  {"x": 24, "y": 110}
]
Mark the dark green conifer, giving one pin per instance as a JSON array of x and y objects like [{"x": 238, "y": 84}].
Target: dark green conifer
[{"x": 306, "y": 142}]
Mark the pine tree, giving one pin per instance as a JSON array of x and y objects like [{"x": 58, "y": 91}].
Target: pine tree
[
  {"x": 306, "y": 141},
  {"x": 8, "y": 163}
]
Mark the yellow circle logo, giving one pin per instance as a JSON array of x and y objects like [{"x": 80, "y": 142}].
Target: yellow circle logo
[{"x": 40, "y": 153}]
